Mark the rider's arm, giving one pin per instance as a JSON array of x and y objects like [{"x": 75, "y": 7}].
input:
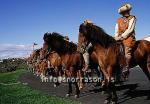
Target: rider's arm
[
  {"x": 116, "y": 30},
  {"x": 130, "y": 29}
]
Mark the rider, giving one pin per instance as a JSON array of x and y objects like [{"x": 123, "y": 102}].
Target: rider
[
  {"x": 66, "y": 38},
  {"x": 85, "y": 46},
  {"x": 125, "y": 31}
]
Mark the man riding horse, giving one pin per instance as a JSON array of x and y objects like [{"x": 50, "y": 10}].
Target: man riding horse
[{"x": 125, "y": 31}]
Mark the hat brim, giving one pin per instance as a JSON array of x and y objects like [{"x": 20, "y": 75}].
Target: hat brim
[
  {"x": 121, "y": 12},
  {"x": 66, "y": 39}
]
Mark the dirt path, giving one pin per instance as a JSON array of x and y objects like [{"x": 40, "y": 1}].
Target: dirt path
[{"x": 135, "y": 91}]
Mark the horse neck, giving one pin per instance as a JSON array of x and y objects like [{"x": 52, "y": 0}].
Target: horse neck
[
  {"x": 65, "y": 52},
  {"x": 100, "y": 37},
  {"x": 98, "y": 47}
]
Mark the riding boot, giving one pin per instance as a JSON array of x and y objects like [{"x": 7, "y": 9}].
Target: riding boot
[
  {"x": 86, "y": 59},
  {"x": 126, "y": 72},
  {"x": 128, "y": 63}
]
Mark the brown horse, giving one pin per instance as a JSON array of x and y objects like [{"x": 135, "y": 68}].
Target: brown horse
[
  {"x": 51, "y": 56},
  {"x": 44, "y": 70},
  {"x": 110, "y": 55},
  {"x": 93, "y": 57},
  {"x": 93, "y": 65},
  {"x": 53, "y": 61},
  {"x": 33, "y": 60},
  {"x": 70, "y": 58}
]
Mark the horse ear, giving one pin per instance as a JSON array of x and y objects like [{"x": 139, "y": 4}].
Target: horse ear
[
  {"x": 86, "y": 22},
  {"x": 45, "y": 36}
]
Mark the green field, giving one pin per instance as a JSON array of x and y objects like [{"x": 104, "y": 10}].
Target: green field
[{"x": 12, "y": 93}]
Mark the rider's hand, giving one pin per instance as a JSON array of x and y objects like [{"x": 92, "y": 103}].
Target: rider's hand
[{"x": 118, "y": 38}]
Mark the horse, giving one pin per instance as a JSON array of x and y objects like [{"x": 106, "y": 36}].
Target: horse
[
  {"x": 111, "y": 58},
  {"x": 93, "y": 65},
  {"x": 70, "y": 58},
  {"x": 53, "y": 60},
  {"x": 33, "y": 61}
]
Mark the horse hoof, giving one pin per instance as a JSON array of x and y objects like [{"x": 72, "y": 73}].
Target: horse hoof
[
  {"x": 76, "y": 96},
  {"x": 106, "y": 102},
  {"x": 103, "y": 92},
  {"x": 55, "y": 85},
  {"x": 113, "y": 102},
  {"x": 80, "y": 88},
  {"x": 67, "y": 95}
]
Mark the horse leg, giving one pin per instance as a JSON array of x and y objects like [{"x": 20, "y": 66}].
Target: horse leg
[
  {"x": 69, "y": 89},
  {"x": 107, "y": 86},
  {"x": 45, "y": 73},
  {"x": 111, "y": 94},
  {"x": 104, "y": 85},
  {"x": 77, "y": 90},
  {"x": 99, "y": 74},
  {"x": 105, "y": 76},
  {"x": 111, "y": 89},
  {"x": 114, "y": 94},
  {"x": 108, "y": 94},
  {"x": 80, "y": 81},
  {"x": 56, "y": 75}
]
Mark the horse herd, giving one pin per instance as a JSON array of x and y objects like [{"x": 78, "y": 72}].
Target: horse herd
[{"x": 60, "y": 58}]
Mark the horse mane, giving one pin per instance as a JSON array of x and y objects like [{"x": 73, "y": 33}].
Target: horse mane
[
  {"x": 98, "y": 35},
  {"x": 58, "y": 38}
]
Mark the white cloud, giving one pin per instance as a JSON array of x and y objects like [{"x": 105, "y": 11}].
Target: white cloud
[
  {"x": 148, "y": 38},
  {"x": 15, "y": 51}
]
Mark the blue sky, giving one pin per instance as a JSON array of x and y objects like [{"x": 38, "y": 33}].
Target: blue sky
[{"x": 25, "y": 21}]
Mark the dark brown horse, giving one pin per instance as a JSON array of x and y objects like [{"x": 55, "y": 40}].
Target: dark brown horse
[
  {"x": 110, "y": 55},
  {"x": 71, "y": 59}
]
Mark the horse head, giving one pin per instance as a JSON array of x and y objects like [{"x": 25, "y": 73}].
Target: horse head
[
  {"x": 85, "y": 30},
  {"x": 45, "y": 51},
  {"x": 55, "y": 41},
  {"x": 95, "y": 34}
]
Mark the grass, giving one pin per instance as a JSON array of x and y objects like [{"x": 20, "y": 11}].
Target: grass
[{"x": 21, "y": 94}]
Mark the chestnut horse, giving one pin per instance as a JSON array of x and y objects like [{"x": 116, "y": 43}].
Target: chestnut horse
[
  {"x": 93, "y": 57},
  {"x": 70, "y": 58},
  {"x": 111, "y": 57},
  {"x": 53, "y": 61}
]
